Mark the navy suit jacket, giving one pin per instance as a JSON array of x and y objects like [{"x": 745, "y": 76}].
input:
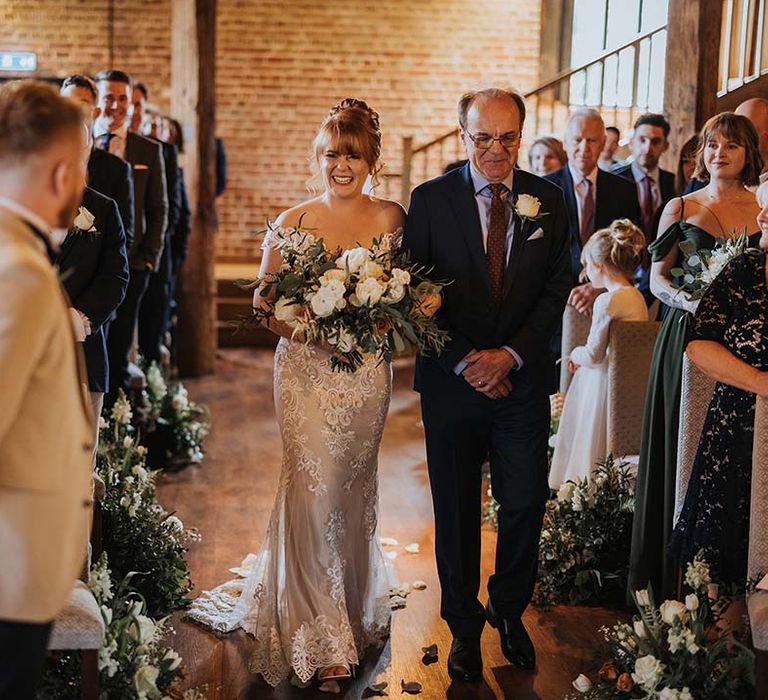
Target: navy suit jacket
[
  {"x": 615, "y": 198},
  {"x": 443, "y": 232},
  {"x": 94, "y": 269},
  {"x": 111, "y": 176},
  {"x": 666, "y": 189}
]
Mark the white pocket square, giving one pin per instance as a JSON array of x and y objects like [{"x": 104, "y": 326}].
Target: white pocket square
[{"x": 538, "y": 233}]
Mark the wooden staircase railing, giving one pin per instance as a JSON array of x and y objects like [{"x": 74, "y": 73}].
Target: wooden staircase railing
[{"x": 620, "y": 83}]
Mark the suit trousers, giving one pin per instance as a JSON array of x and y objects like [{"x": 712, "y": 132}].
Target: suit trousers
[
  {"x": 121, "y": 332},
  {"x": 155, "y": 308},
  {"x": 22, "y": 654},
  {"x": 463, "y": 430}
]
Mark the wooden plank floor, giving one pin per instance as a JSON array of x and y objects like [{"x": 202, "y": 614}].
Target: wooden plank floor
[{"x": 229, "y": 498}]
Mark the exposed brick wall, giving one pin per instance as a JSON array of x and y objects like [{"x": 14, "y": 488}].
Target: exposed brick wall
[{"x": 283, "y": 63}]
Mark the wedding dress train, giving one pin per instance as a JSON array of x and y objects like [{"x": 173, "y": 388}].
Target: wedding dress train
[{"x": 317, "y": 593}]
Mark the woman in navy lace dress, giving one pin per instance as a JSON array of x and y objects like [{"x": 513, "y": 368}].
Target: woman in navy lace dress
[{"x": 729, "y": 341}]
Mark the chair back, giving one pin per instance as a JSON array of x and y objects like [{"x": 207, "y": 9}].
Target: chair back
[
  {"x": 630, "y": 349},
  {"x": 695, "y": 395},
  {"x": 575, "y": 332}
]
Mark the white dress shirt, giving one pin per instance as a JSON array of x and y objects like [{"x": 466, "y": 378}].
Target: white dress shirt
[
  {"x": 119, "y": 136},
  {"x": 639, "y": 175},
  {"x": 577, "y": 178}
]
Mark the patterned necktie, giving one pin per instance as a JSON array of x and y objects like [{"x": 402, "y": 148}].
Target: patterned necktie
[
  {"x": 102, "y": 142},
  {"x": 587, "y": 227},
  {"x": 648, "y": 205},
  {"x": 496, "y": 245}
]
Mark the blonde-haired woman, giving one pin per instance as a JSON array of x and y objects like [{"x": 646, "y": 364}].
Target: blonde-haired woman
[
  {"x": 317, "y": 592},
  {"x": 610, "y": 258}
]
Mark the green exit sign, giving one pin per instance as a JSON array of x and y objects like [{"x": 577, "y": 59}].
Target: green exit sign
[{"x": 18, "y": 62}]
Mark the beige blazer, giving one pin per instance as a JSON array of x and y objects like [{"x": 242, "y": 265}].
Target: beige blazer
[{"x": 46, "y": 435}]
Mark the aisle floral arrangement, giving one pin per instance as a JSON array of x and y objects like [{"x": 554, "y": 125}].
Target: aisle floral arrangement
[
  {"x": 362, "y": 300},
  {"x": 139, "y": 534},
  {"x": 171, "y": 426},
  {"x": 673, "y": 652},
  {"x": 584, "y": 545},
  {"x": 701, "y": 266}
]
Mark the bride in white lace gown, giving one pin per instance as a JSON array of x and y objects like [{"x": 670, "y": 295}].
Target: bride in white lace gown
[{"x": 316, "y": 595}]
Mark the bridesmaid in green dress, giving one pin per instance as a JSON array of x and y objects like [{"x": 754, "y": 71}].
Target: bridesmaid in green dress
[{"x": 729, "y": 160}]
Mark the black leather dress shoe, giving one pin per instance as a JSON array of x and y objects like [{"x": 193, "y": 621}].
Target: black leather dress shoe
[
  {"x": 465, "y": 663},
  {"x": 516, "y": 645}
]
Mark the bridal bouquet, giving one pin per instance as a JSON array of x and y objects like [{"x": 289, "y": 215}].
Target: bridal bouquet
[
  {"x": 673, "y": 652},
  {"x": 700, "y": 267},
  {"x": 361, "y": 300}
]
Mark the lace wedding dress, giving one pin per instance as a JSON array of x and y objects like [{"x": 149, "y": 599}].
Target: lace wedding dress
[{"x": 317, "y": 593}]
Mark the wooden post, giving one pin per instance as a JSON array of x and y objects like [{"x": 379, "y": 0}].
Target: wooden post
[
  {"x": 405, "y": 178},
  {"x": 691, "y": 77},
  {"x": 193, "y": 89}
]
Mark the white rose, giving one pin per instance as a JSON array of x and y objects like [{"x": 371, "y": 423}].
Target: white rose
[
  {"x": 582, "y": 683},
  {"x": 323, "y": 304},
  {"x": 669, "y": 694},
  {"x": 334, "y": 288},
  {"x": 371, "y": 269},
  {"x": 328, "y": 275},
  {"x": 643, "y": 599},
  {"x": 692, "y": 602},
  {"x": 143, "y": 631},
  {"x": 671, "y": 609},
  {"x": 353, "y": 259},
  {"x": 369, "y": 291},
  {"x": 648, "y": 671},
  {"x": 84, "y": 220},
  {"x": 285, "y": 310},
  {"x": 566, "y": 492},
  {"x": 145, "y": 679},
  {"x": 528, "y": 206},
  {"x": 401, "y": 276},
  {"x": 639, "y": 628},
  {"x": 395, "y": 292}
]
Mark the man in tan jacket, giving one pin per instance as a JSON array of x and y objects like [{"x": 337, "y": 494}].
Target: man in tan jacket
[{"x": 45, "y": 424}]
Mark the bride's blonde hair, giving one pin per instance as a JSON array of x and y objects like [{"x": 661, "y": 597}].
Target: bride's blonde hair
[
  {"x": 620, "y": 246},
  {"x": 350, "y": 127}
]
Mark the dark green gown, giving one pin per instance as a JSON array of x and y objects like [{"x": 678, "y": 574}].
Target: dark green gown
[{"x": 655, "y": 489}]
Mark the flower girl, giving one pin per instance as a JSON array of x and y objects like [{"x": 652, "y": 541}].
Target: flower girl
[{"x": 610, "y": 258}]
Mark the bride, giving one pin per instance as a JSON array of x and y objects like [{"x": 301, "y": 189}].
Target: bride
[{"x": 316, "y": 594}]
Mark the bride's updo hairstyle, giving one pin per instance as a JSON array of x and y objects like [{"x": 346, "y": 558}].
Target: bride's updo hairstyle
[
  {"x": 738, "y": 129},
  {"x": 621, "y": 246},
  {"x": 351, "y": 127}
]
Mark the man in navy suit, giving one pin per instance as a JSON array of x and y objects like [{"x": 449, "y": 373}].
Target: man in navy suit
[
  {"x": 486, "y": 395},
  {"x": 593, "y": 197},
  {"x": 655, "y": 187},
  {"x": 107, "y": 174}
]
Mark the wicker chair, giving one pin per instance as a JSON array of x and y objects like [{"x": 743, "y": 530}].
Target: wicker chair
[
  {"x": 80, "y": 626},
  {"x": 629, "y": 362},
  {"x": 758, "y": 545},
  {"x": 575, "y": 333},
  {"x": 695, "y": 395}
]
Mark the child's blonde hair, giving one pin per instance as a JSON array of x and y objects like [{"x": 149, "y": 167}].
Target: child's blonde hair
[{"x": 621, "y": 246}]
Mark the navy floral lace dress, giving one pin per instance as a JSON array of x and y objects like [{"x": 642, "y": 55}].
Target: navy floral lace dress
[{"x": 715, "y": 515}]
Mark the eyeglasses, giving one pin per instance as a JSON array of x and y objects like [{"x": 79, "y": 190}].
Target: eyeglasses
[{"x": 486, "y": 141}]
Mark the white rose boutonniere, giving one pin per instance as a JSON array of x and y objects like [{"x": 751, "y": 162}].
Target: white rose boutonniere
[
  {"x": 84, "y": 221},
  {"x": 528, "y": 207}
]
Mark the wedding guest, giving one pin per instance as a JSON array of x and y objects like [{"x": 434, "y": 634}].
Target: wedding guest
[
  {"x": 686, "y": 163},
  {"x": 655, "y": 187},
  {"x": 727, "y": 159},
  {"x": 93, "y": 263},
  {"x": 150, "y": 211},
  {"x": 45, "y": 420},
  {"x": 608, "y": 159},
  {"x": 723, "y": 343},
  {"x": 546, "y": 155},
  {"x": 107, "y": 173},
  {"x": 180, "y": 234},
  {"x": 155, "y": 304},
  {"x": 610, "y": 258},
  {"x": 594, "y": 198},
  {"x": 756, "y": 110}
]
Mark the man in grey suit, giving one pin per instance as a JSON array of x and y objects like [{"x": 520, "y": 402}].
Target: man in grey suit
[{"x": 151, "y": 210}]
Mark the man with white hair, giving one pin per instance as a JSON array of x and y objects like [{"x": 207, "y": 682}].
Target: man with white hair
[{"x": 593, "y": 197}]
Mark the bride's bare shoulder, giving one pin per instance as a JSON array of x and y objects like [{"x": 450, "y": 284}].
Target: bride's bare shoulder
[
  {"x": 391, "y": 213},
  {"x": 304, "y": 212}
]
